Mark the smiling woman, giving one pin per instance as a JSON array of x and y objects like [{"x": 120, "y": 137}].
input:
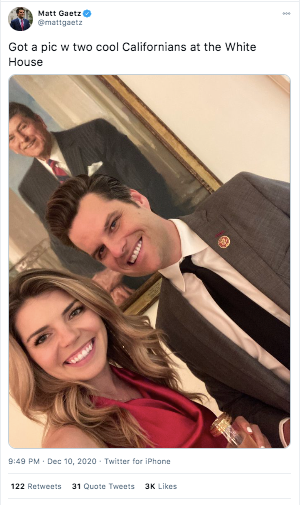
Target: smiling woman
[
  {"x": 67, "y": 344},
  {"x": 102, "y": 379},
  {"x": 65, "y": 338}
]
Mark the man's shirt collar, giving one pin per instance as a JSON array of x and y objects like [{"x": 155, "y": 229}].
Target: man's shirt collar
[
  {"x": 56, "y": 153},
  {"x": 191, "y": 244}
]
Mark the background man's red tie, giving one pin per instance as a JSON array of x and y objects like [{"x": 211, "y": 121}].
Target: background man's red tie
[{"x": 61, "y": 175}]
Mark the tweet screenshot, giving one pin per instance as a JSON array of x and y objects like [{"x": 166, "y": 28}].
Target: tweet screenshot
[{"x": 149, "y": 168}]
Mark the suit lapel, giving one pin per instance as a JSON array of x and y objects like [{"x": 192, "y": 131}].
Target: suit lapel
[
  {"x": 240, "y": 256},
  {"x": 205, "y": 348},
  {"x": 72, "y": 154},
  {"x": 40, "y": 173}
]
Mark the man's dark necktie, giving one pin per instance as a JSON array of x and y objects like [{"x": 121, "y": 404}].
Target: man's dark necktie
[
  {"x": 268, "y": 331},
  {"x": 61, "y": 175}
]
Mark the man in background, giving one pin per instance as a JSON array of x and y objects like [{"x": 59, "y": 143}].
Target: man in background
[
  {"x": 224, "y": 301},
  {"x": 93, "y": 147},
  {"x": 20, "y": 23}
]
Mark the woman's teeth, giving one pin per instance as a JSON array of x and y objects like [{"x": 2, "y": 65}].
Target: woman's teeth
[
  {"x": 136, "y": 252},
  {"x": 82, "y": 354}
]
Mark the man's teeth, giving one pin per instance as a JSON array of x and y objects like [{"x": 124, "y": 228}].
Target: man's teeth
[
  {"x": 136, "y": 252},
  {"x": 82, "y": 354},
  {"x": 29, "y": 145}
]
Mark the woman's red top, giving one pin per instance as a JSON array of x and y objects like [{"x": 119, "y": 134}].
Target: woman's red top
[{"x": 168, "y": 418}]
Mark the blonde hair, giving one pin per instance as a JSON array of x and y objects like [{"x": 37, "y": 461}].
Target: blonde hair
[{"x": 132, "y": 344}]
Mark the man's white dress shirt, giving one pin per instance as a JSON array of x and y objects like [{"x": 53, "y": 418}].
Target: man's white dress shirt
[
  {"x": 57, "y": 156},
  {"x": 195, "y": 292}
]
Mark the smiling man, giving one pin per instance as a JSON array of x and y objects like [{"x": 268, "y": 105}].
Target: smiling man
[
  {"x": 29, "y": 136},
  {"x": 20, "y": 23},
  {"x": 224, "y": 300},
  {"x": 133, "y": 254},
  {"x": 93, "y": 147},
  {"x": 113, "y": 224}
]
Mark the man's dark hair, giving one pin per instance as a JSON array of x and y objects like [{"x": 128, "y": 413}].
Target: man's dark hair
[
  {"x": 63, "y": 205},
  {"x": 19, "y": 108},
  {"x": 19, "y": 9}
]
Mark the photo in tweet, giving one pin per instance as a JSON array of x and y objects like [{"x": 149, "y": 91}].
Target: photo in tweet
[{"x": 77, "y": 133}]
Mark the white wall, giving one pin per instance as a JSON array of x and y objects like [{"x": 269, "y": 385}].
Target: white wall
[{"x": 233, "y": 123}]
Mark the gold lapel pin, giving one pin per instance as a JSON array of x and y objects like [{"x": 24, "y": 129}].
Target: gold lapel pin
[{"x": 224, "y": 242}]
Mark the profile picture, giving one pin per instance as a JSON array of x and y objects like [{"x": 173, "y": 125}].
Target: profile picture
[{"x": 20, "y": 19}]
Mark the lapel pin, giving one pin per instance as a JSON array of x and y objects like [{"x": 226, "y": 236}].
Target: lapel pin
[{"x": 224, "y": 242}]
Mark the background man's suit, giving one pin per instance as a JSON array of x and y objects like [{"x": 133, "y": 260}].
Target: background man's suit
[
  {"x": 15, "y": 24},
  {"x": 254, "y": 213},
  {"x": 82, "y": 146}
]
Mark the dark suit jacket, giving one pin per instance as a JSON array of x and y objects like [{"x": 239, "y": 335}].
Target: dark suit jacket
[
  {"x": 82, "y": 146},
  {"x": 15, "y": 24},
  {"x": 254, "y": 213}
]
